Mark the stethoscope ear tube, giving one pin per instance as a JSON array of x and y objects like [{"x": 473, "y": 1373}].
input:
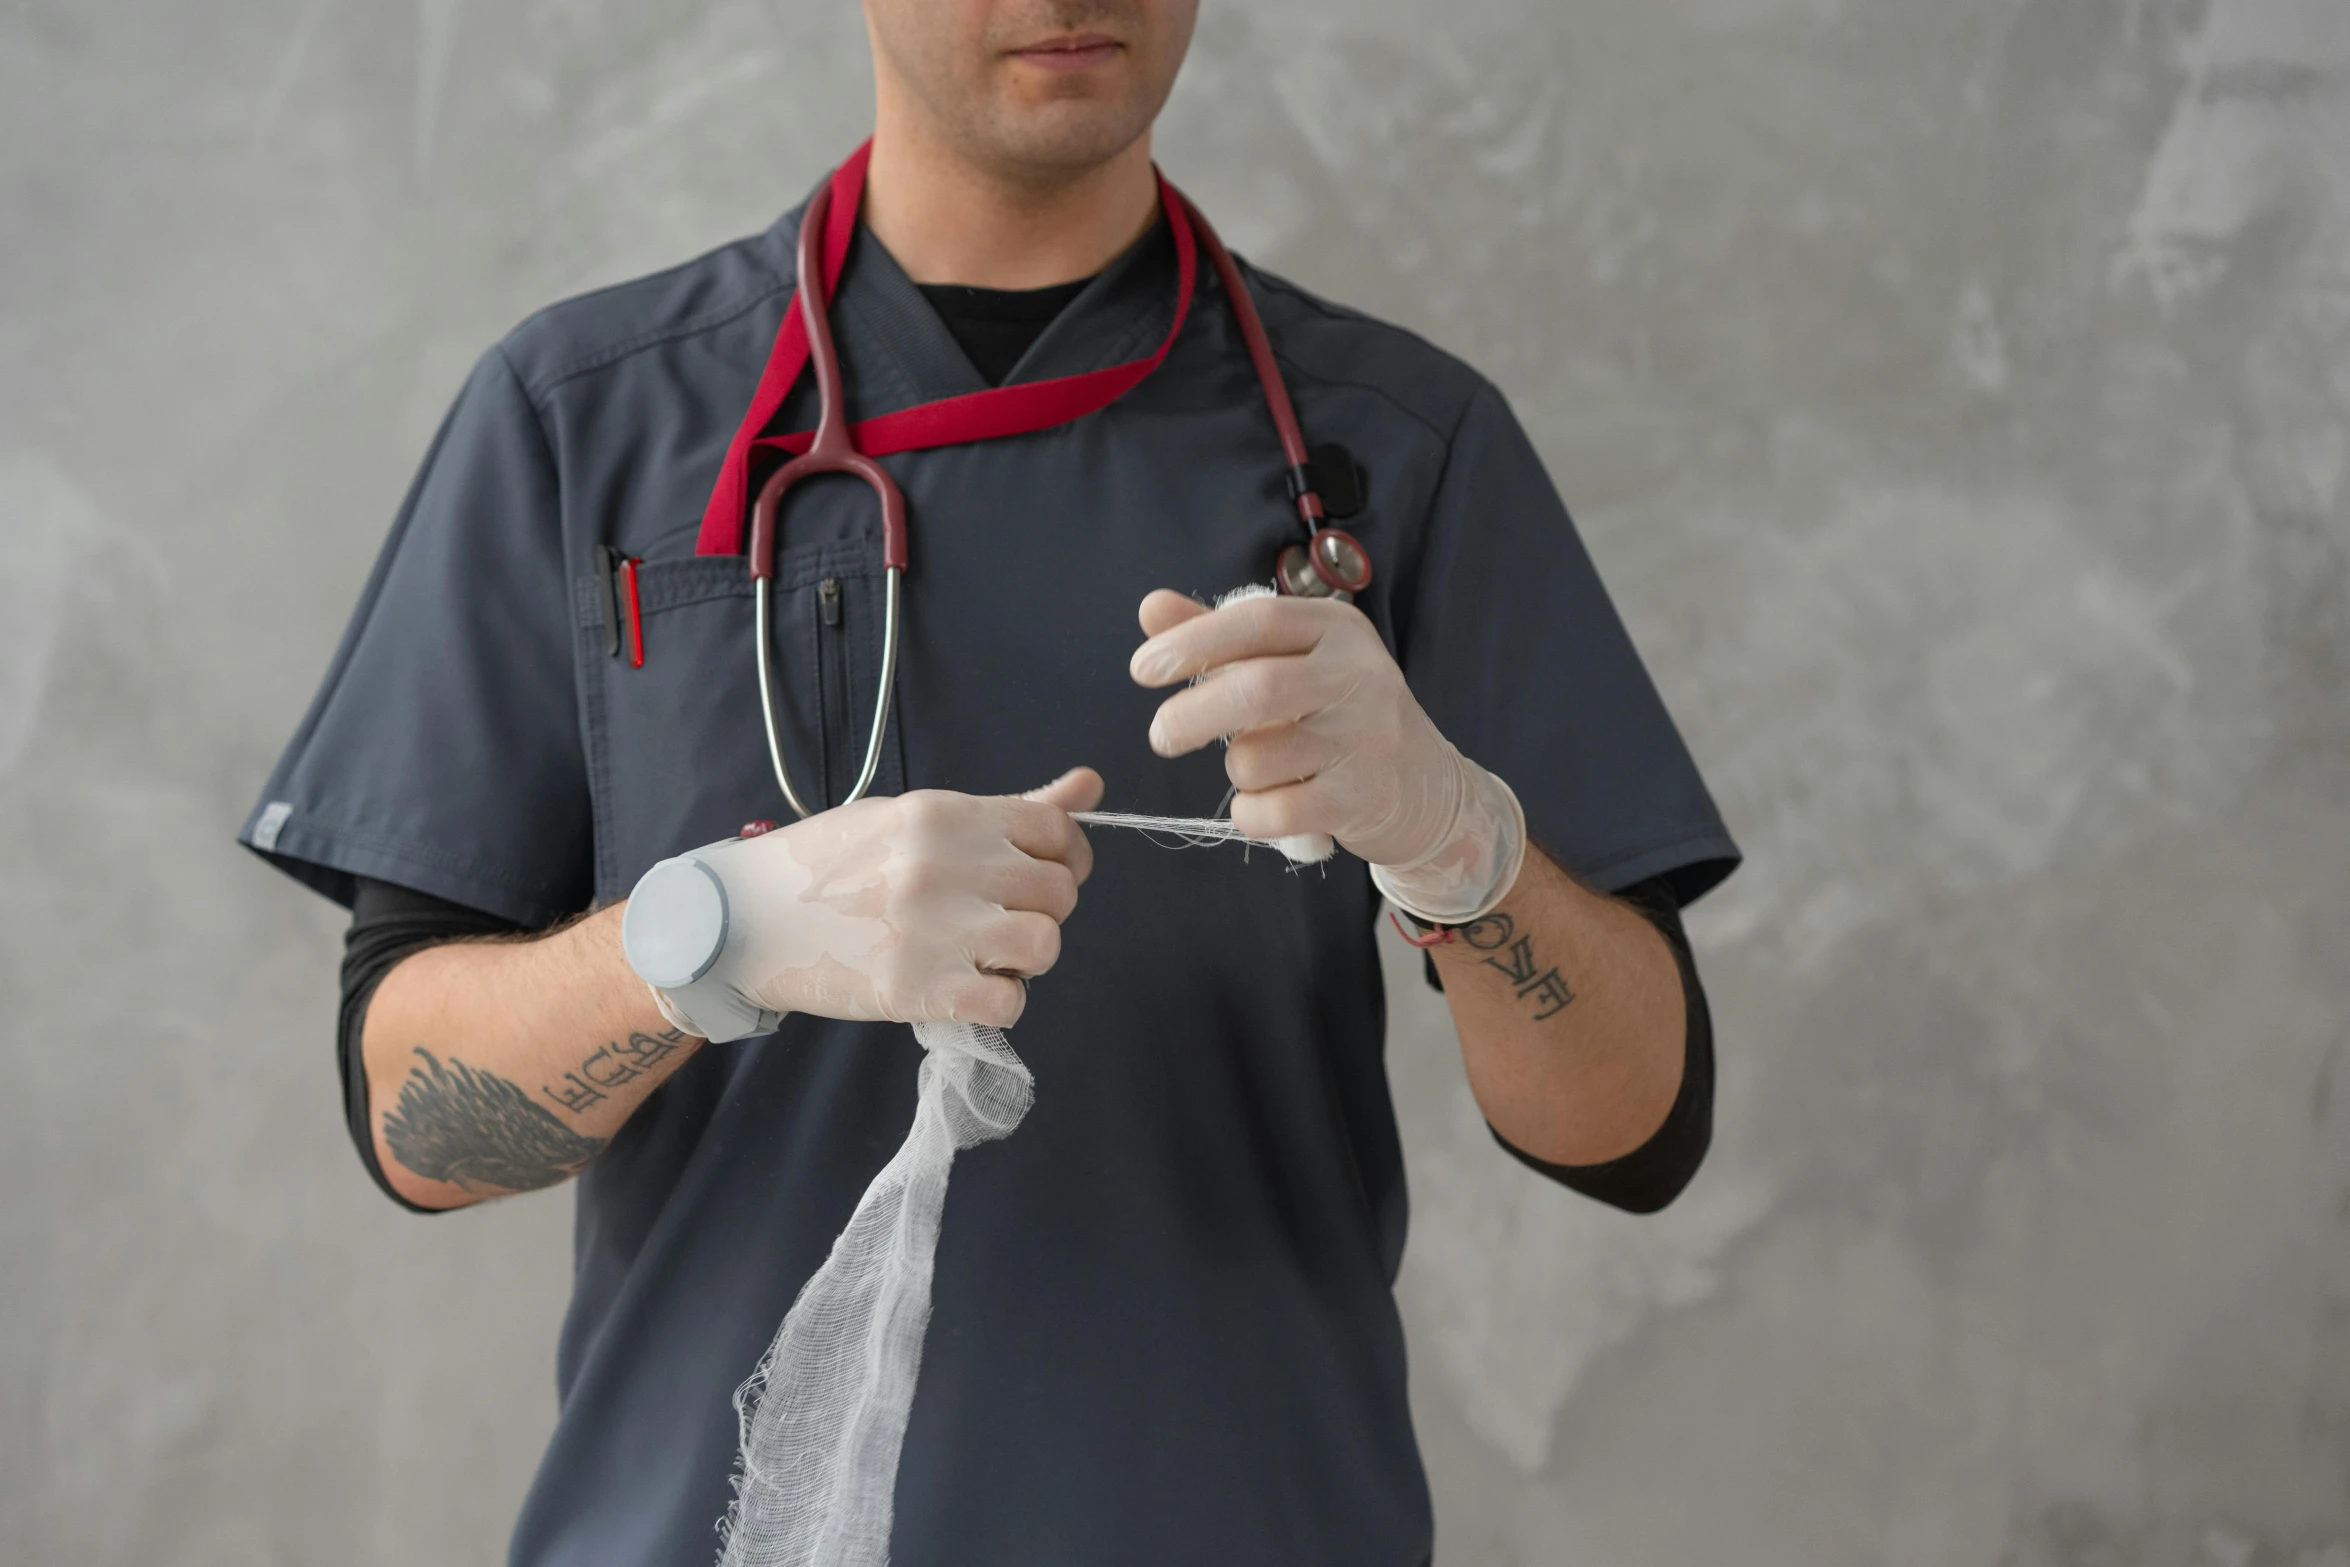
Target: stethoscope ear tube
[{"x": 1331, "y": 563}]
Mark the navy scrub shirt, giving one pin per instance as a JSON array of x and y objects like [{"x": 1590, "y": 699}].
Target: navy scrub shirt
[{"x": 1164, "y": 1330}]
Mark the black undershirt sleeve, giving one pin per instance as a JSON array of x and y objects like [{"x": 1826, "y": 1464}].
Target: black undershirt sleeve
[
  {"x": 388, "y": 923},
  {"x": 1656, "y": 1172}
]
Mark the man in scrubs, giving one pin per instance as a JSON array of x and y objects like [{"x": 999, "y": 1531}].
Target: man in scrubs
[{"x": 1163, "y": 1325}]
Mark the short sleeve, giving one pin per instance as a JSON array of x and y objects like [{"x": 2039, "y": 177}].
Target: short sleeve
[
  {"x": 1513, "y": 647},
  {"x": 443, "y": 751}
]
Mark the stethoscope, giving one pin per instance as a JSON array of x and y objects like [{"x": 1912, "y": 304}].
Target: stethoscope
[{"x": 1330, "y": 563}]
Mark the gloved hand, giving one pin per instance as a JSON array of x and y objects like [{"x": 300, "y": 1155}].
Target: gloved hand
[
  {"x": 922, "y": 907},
  {"x": 1327, "y": 738}
]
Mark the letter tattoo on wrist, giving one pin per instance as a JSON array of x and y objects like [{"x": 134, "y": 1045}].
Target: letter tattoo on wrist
[
  {"x": 1512, "y": 956},
  {"x": 619, "y": 1062}
]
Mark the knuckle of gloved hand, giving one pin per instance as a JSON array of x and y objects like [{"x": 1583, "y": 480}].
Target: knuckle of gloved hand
[
  {"x": 1076, "y": 857},
  {"x": 1183, "y": 725},
  {"x": 1258, "y": 689},
  {"x": 922, "y": 874},
  {"x": 1260, "y": 816},
  {"x": 930, "y": 816},
  {"x": 1278, "y": 619},
  {"x": 992, "y": 1000},
  {"x": 1040, "y": 945},
  {"x": 1302, "y": 809},
  {"x": 1028, "y": 886},
  {"x": 1344, "y": 622},
  {"x": 1044, "y": 824}
]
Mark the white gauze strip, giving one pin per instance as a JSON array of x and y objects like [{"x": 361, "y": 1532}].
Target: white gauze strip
[
  {"x": 825, "y": 1412},
  {"x": 1310, "y": 848}
]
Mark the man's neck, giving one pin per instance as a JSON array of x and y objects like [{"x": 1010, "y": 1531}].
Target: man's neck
[{"x": 946, "y": 220}]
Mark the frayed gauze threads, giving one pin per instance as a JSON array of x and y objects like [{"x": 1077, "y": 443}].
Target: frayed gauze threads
[
  {"x": 1310, "y": 848},
  {"x": 824, "y": 1414}
]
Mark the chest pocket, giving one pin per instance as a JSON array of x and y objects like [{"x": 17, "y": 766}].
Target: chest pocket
[{"x": 677, "y": 749}]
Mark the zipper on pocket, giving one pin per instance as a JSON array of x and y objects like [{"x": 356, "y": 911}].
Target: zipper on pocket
[
  {"x": 832, "y": 668},
  {"x": 608, "y": 599}
]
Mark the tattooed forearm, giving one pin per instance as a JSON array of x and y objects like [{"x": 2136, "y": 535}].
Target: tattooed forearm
[
  {"x": 1496, "y": 935},
  {"x": 620, "y": 1062},
  {"x": 478, "y": 1131}
]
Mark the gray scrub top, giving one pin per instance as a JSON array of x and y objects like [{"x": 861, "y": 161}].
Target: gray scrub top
[{"x": 1164, "y": 1330}]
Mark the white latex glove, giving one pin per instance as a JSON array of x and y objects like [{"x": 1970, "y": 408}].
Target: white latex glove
[
  {"x": 918, "y": 908},
  {"x": 1326, "y": 737}
]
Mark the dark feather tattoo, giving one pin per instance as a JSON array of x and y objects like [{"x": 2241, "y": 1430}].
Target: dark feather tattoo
[{"x": 479, "y": 1131}]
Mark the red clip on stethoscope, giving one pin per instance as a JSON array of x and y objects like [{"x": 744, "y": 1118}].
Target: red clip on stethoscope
[{"x": 1330, "y": 563}]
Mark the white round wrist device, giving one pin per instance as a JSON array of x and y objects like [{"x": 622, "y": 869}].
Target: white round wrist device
[{"x": 673, "y": 933}]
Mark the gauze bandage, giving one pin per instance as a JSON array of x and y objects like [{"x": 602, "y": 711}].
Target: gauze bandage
[{"x": 824, "y": 1414}]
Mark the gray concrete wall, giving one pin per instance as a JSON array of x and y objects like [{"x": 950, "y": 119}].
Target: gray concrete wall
[{"x": 1956, "y": 394}]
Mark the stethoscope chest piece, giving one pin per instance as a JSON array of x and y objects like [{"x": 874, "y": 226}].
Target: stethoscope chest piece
[{"x": 1331, "y": 565}]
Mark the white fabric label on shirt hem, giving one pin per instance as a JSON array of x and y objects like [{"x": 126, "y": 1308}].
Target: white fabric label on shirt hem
[{"x": 273, "y": 821}]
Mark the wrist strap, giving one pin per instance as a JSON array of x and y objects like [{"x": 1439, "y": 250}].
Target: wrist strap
[
  {"x": 1430, "y": 935},
  {"x": 673, "y": 932},
  {"x": 712, "y": 1010}
]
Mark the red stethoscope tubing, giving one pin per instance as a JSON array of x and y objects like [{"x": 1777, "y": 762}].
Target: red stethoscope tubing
[
  {"x": 1260, "y": 358},
  {"x": 830, "y": 450},
  {"x": 976, "y": 416},
  {"x": 1323, "y": 549},
  {"x": 805, "y": 340}
]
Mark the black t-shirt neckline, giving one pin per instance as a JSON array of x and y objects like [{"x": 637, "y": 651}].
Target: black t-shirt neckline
[{"x": 995, "y": 327}]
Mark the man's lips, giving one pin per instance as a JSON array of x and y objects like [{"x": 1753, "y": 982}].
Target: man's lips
[{"x": 1075, "y": 52}]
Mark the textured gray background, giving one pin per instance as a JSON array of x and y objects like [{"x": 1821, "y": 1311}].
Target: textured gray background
[{"x": 1956, "y": 394}]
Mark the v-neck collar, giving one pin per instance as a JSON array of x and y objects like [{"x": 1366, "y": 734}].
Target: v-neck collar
[
  {"x": 897, "y": 353},
  {"x": 1121, "y": 315}
]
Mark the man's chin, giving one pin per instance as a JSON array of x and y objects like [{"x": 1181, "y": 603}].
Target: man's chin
[{"x": 1064, "y": 138}]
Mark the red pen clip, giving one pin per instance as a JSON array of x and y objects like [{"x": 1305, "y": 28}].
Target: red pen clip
[{"x": 636, "y": 615}]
